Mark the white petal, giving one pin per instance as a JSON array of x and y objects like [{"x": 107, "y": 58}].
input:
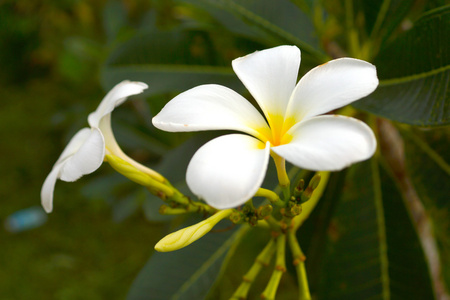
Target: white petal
[
  {"x": 228, "y": 170},
  {"x": 74, "y": 144},
  {"x": 48, "y": 187},
  {"x": 86, "y": 160},
  {"x": 210, "y": 107},
  {"x": 328, "y": 143},
  {"x": 270, "y": 76},
  {"x": 114, "y": 98},
  {"x": 330, "y": 86}
]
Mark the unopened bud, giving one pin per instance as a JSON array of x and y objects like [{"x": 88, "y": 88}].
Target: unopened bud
[
  {"x": 313, "y": 184},
  {"x": 236, "y": 217},
  {"x": 253, "y": 220},
  {"x": 188, "y": 235},
  {"x": 299, "y": 188},
  {"x": 296, "y": 209},
  {"x": 306, "y": 195},
  {"x": 264, "y": 211}
]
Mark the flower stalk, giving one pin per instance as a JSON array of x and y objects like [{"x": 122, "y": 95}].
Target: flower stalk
[
  {"x": 299, "y": 264},
  {"x": 271, "y": 196},
  {"x": 262, "y": 260},
  {"x": 283, "y": 178},
  {"x": 280, "y": 268}
]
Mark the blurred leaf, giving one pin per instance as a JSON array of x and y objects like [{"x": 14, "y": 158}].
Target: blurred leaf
[
  {"x": 383, "y": 17},
  {"x": 305, "y": 5},
  {"x": 371, "y": 248},
  {"x": 168, "y": 61},
  {"x": 279, "y": 19},
  {"x": 414, "y": 74},
  {"x": 183, "y": 274},
  {"x": 125, "y": 207},
  {"x": 428, "y": 157},
  {"x": 114, "y": 19},
  {"x": 85, "y": 49},
  {"x": 240, "y": 259}
]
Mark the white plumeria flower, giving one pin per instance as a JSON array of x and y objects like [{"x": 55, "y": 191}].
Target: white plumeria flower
[
  {"x": 86, "y": 150},
  {"x": 228, "y": 170}
]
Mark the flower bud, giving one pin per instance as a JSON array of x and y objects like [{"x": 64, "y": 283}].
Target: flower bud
[
  {"x": 264, "y": 211},
  {"x": 299, "y": 188},
  {"x": 313, "y": 184},
  {"x": 188, "y": 235},
  {"x": 236, "y": 217}
]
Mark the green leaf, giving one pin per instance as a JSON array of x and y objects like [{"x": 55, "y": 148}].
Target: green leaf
[
  {"x": 383, "y": 17},
  {"x": 371, "y": 249},
  {"x": 414, "y": 73},
  {"x": 168, "y": 61},
  {"x": 280, "y": 20},
  {"x": 183, "y": 274},
  {"x": 428, "y": 157}
]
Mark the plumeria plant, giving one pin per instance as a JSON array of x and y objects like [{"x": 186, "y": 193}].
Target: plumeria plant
[{"x": 342, "y": 188}]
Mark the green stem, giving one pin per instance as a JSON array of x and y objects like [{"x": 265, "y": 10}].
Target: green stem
[
  {"x": 262, "y": 260},
  {"x": 283, "y": 178},
  {"x": 274, "y": 224},
  {"x": 299, "y": 263},
  {"x": 280, "y": 268},
  {"x": 271, "y": 196}
]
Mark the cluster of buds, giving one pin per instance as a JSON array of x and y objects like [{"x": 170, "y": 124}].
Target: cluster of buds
[
  {"x": 251, "y": 215},
  {"x": 300, "y": 195}
]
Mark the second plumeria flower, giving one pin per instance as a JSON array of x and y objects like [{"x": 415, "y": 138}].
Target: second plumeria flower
[
  {"x": 228, "y": 170},
  {"x": 87, "y": 149}
]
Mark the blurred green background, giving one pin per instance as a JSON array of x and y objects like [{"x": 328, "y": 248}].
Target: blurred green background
[{"x": 49, "y": 83}]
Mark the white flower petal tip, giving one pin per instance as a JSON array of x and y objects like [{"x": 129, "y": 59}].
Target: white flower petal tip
[
  {"x": 270, "y": 75},
  {"x": 83, "y": 155},
  {"x": 227, "y": 171},
  {"x": 330, "y": 86},
  {"x": 209, "y": 107},
  {"x": 328, "y": 143},
  {"x": 47, "y": 190},
  {"x": 116, "y": 96}
]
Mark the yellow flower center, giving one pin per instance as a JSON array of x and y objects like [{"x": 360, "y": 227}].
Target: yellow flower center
[{"x": 278, "y": 130}]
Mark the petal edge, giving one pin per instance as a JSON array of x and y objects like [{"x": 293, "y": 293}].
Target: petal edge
[{"x": 330, "y": 86}]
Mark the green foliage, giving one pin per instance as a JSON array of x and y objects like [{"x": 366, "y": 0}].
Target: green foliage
[
  {"x": 430, "y": 181},
  {"x": 192, "y": 273},
  {"x": 414, "y": 74},
  {"x": 371, "y": 248}
]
